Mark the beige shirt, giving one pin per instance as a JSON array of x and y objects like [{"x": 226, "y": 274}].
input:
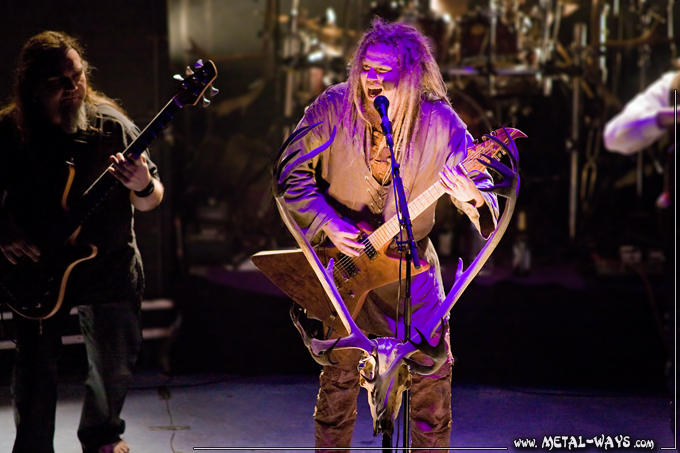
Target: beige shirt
[{"x": 339, "y": 183}]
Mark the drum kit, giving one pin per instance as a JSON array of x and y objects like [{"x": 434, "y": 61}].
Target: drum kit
[
  {"x": 484, "y": 53},
  {"x": 489, "y": 53},
  {"x": 496, "y": 56},
  {"x": 492, "y": 53}
]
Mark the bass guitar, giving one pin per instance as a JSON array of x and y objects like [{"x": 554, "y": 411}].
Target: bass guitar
[
  {"x": 36, "y": 290},
  {"x": 375, "y": 266}
]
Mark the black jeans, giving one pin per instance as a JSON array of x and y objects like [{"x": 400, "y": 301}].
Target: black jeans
[{"x": 113, "y": 336}]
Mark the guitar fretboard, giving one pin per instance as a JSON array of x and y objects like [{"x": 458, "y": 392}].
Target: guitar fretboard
[
  {"x": 98, "y": 191},
  {"x": 389, "y": 229}
]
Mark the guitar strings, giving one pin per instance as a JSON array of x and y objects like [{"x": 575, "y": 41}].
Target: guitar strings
[{"x": 347, "y": 262}]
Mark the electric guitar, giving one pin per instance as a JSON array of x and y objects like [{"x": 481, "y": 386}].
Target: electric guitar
[
  {"x": 36, "y": 290},
  {"x": 375, "y": 266}
]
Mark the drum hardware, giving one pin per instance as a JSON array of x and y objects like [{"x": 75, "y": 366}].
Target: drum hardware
[
  {"x": 586, "y": 70},
  {"x": 616, "y": 75},
  {"x": 580, "y": 30},
  {"x": 493, "y": 29},
  {"x": 571, "y": 70},
  {"x": 648, "y": 14},
  {"x": 602, "y": 38},
  {"x": 547, "y": 42},
  {"x": 597, "y": 17},
  {"x": 354, "y": 14},
  {"x": 471, "y": 107},
  {"x": 650, "y": 19},
  {"x": 501, "y": 44},
  {"x": 290, "y": 50},
  {"x": 389, "y": 10},
  {"x": 649, "y": 37},
  {"x": 670, "y": 29},
  {"x": 589, "y": 170},
  {"x": 313, "y": 58}
]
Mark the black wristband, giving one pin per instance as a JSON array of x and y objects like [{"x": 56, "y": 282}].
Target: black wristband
[{"x": 148, "y": 190}]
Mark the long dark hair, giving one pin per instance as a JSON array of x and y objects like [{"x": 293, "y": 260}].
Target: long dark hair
[{"x": 39, "y": 58}]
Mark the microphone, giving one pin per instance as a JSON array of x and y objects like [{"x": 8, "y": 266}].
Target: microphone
[{"x": 381, "y": 104}]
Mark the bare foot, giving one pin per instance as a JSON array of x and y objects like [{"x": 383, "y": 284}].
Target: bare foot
[{"x": 120, "y": 447}]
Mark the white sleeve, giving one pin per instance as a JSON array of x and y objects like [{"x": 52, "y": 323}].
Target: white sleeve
[{"x": 635, "y": 127}]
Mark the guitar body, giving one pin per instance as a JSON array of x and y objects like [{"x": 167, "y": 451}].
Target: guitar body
[
  {"x": 355, "y": 277},
  {"x": 291, "y": 272},
  {"x": 37, "y": 290}
]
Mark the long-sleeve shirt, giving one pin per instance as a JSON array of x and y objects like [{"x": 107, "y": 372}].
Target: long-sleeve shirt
[
  {"x": 338, "y": 183},
  {"x": 636, "y": 126}
]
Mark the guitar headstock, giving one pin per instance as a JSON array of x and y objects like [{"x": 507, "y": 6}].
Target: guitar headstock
[
  {"x": 195, "y": 84},
  {"x": 488, "y": 147},
  {"x": 500, "y": 134}
]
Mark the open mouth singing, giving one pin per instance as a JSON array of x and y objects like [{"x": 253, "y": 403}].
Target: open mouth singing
[{"x": 373, "y": 92}]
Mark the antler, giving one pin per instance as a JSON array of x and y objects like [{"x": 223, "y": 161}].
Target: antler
[
  {"x": 508, "y": 188},
  {"x": 296, "y": 312},
  {"x": 356, "y": 338},
  {"x": 384, "y": 366}
]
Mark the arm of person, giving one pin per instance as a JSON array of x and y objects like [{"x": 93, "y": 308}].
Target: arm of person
[
  {"x": 458, "y": 185},
  {"x": 343, "y": 235},
  {"x": 146, "y": 190},
  {"x": 643, "y": 120},
  {"x": 304, "y": 198},
  {"x": 313, "y": 213},
  {"x": 665, "y": 117},
  {"x": 482, "y": 209},
  {"x": 463, "y": 188}
]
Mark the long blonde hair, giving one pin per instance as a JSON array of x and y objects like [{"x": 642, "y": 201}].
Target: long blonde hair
[{"x": 420, "y": 79}]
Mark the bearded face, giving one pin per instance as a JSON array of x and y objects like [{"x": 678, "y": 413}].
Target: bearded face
[{"x": 62, "y": 95}]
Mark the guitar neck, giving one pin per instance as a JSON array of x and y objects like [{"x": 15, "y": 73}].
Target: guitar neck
[
  {"x": 106, "y": 182},
  {"x": 391, "y": 228}
]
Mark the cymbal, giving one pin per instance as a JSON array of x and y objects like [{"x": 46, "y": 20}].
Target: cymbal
[
  {"x": 453, "y": 8},
  {"x": 315, "y": 25},
  {"x": 330, "y": 31}
]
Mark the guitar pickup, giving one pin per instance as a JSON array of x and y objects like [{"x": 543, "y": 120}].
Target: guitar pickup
[
  {"x": 371, "y": 253},
  {"x": 347, "y": 265}
]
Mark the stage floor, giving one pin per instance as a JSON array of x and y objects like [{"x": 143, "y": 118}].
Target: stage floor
[{"x": 274, "y": 413}]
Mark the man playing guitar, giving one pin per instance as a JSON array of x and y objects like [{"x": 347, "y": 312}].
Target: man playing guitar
[
  {"x": 56, "y": 136},
  {"x": 350, "y": 182}
]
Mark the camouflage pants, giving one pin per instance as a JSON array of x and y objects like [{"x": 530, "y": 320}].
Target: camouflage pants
[{"x": 336, "y": 405}]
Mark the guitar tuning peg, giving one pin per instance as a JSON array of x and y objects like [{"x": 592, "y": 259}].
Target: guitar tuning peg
[
  {"x": 178, "y": 77},
  {"x": 206, "y": 102},
  {"x": 198, "y": 64},
  {"x": 213, "y": 91},
  {"x": 189, "y": 71}
]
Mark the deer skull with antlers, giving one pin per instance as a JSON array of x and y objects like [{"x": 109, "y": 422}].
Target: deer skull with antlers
[{"x": 386, "y": 366}]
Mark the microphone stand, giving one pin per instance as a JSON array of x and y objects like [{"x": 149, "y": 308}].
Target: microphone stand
[{"x": 411, "y": 257}]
